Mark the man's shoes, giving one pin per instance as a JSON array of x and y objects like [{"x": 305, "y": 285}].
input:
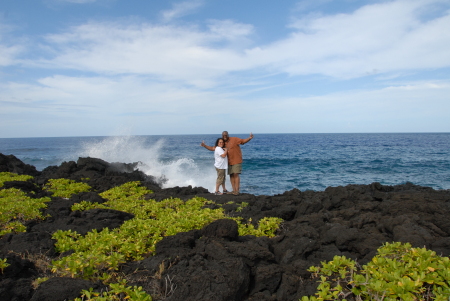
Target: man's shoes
[
  {"x": 236, "y": 192},
  {"x": 218, "y": 193},
  {"x": 225, "y": 192}
]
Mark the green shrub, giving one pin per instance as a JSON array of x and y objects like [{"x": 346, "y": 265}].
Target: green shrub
[
  {"x": 65, "y": 188},
  {"x": 267, "y": 226},
  {"x": 241, "y": 207},
  {"x": 98, "y": 254},
  {"x": 117, "y": 291},
  {"x": 16, "y": 208},
  {"x": 9, "y": 176},
  {"x": 3, "y": 264},
  {"x": 397, "y": 272}
]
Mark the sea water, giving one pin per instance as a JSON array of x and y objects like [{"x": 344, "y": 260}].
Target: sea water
[{"x": 273, "y": 163}]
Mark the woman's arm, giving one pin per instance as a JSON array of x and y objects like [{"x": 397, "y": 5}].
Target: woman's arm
[
  {"x": 211, "y": 148},
  {"x": 224, "y": 153}
]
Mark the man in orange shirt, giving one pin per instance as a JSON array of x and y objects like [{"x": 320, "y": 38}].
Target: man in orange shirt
[{"x": 234, "y": 158}]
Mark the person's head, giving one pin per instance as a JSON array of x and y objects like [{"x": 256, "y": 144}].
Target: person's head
[
  {"x": 225, "y": 136},
  {"x": 220, "y": 142}
]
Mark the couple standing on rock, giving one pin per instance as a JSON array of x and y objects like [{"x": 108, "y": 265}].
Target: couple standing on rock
[{"x": 228, "y": 147}]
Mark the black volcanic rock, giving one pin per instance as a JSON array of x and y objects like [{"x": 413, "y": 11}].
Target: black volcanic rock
[
  {"x": 214, "y": 263},
  {"x": 11, "y": 164},
  {"x": 99, "y": 174},
  {"x": 61, "y": 289}
]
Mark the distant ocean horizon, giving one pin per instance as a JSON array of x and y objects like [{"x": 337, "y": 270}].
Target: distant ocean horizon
[{"x": 273, "y": 163}]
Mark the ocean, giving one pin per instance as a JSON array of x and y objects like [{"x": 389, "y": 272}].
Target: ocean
[{"x": 273, "y": 163}]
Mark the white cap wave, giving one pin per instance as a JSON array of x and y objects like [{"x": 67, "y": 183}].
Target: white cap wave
[{"x": 130, "y": 149}]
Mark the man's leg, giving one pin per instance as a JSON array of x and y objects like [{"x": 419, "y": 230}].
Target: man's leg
[
  {"x": 232, "y": 181},
  {"x": 235, "y": 181}
]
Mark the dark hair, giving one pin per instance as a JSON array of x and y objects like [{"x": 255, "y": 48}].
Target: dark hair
[{"x": 217, "y": 141}]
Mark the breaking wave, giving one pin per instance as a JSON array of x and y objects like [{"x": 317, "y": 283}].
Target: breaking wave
[{"x": 176, "y": 171}]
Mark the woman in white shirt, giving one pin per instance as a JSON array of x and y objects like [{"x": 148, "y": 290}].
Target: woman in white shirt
[{"x": 221, "y": 164}]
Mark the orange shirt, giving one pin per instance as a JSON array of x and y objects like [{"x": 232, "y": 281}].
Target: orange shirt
[{"x": 234, "y": 150}]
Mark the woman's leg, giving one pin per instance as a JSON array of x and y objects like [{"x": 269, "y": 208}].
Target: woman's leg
[{"x": 220, "y": 178}]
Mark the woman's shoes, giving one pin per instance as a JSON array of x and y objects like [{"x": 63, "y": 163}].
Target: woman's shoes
[{"x": 226, "y": 192}]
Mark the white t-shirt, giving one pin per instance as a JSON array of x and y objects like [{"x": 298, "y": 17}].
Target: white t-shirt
[{"x": 220, "y": 163}]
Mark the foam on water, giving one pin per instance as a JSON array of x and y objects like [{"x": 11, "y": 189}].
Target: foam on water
[{"x": 182, "y": 171}]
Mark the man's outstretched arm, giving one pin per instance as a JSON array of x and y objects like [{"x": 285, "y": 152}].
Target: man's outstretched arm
[
  {"x": 248, "y": 139},
  {"x": 211, "y": 148}
]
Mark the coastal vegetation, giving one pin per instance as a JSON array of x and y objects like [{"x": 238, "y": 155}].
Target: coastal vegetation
[
  {"x": 16, "y": 206},
  {"x": 98, "y": 254},
  {"x": 9, "y": 176},
  {"x": 3, "y": 264},
  {"x": 397, "y": 272},
  {"x": 65, "y": 188}
]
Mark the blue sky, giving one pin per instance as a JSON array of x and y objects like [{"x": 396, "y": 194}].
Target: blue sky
[{"x": 114, "y": 67}]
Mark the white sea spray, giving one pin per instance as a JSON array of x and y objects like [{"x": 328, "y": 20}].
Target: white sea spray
[{"x": 181, "y": 171}]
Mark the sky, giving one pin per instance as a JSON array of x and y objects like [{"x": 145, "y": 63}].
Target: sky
[{"x": 161, "y": 67}]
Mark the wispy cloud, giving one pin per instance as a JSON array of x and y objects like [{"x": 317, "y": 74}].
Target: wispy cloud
[
  {"x": 173, "y": 53},
  {"x": 8, "y": 54},
  {"x": 10, "y": 48},
  {"x": 105, "y": 72},
  {"x": 384, "y": 38},
  {"x": 181, "y": 9},
  {"x": 375, "y": 39}
]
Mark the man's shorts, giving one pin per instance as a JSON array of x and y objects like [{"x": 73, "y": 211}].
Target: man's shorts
[{"x": 236, "y": 168}]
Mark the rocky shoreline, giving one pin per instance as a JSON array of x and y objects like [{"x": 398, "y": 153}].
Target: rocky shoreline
[{"x": 214, "y": 263}]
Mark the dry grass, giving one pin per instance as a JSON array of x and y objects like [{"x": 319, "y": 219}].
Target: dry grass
[{"x": 158, "y": 285}]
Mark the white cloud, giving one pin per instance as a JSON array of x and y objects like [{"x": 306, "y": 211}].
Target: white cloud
[
  {"x": 104, "y": 104},
  {"x": 110, "y": 96},
  {"x": 9, "y": 50},
  {"x": 384, "y": 37},
  {"x": 170, "y": 78},
  {"x": 229, "y": 29},
  {"x": 399, "y": 107},
  {"x": 173, "y": 53},
  {"x": 8, "y": 54},
  {"x": 379, "y": 38},
  {"x": 181, "y": 9}
]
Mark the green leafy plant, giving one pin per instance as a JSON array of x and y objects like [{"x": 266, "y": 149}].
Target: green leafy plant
[
  {"x": 267, "y": 226},
  {"x": 3, "y": 264},
  {"x": 9, "y": 176},
  {"x": 38, "y": 281},
  {"x": 16, "y": 208},
  {"x": 241, "y": 207},
  {"x": 117, "y": 291},
  {"x": 65, "y": 188},
  {"x": 98, "y": 254},
  {"x": 397, "y": 272}
]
